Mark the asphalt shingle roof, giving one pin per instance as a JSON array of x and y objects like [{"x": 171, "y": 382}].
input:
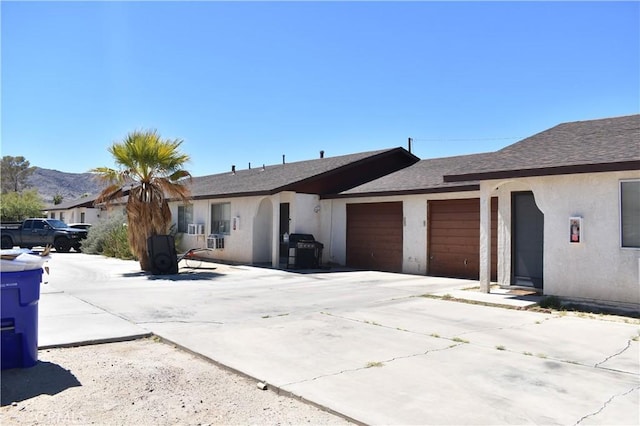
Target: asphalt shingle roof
[
  {"x": 424, "y": 176},
  {"x": 581, "y": 146},
  {"x": 276, "y": 178},
  {"x": 79, "y": 202}
]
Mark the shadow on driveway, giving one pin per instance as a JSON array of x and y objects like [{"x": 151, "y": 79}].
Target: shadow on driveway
[{"x": 191, "y": 274}]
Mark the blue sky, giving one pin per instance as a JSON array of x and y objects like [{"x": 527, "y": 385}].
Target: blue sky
[{"x": 246, "y": 82}]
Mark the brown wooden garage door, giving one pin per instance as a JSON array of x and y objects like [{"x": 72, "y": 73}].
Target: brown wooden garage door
[
  {"x": 374, "y": 236},
  {"x": 454, "y": 238}
]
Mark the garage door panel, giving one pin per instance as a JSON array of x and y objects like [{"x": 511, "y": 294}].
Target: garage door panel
[
  {"x": 452, "y": 223},
  {"x": 374, "y": 236},
  {"x": 378, "y": 262},
  {"x": 457, "y": 257},
  {"x": 370, "y": 248},
  {"x": 473, "y": 240},
  {"x": 454, "y": 238},
  {"x": 466, "y": 250},
  {"x": 375, "y": 225},
  {"x": 463, "y": 266},
  {"x": 444, "y": 234},
  {"x": 461, "y": 216},
  {"x": 458, "y": 206}
]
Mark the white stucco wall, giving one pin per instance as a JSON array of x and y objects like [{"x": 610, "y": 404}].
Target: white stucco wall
[
  {"x": 597, "y": 268},
  {"x": 246, "y": 243},
  {"x": 200, "y": 216},
  {"x": 414, "y": 236},
  {"x": 305, "y": 214},
  {"x": 333, "y": 233},
  {"x": 415, "y": 219},
  {"x": 91, "y": 215},
  {"x": 263, "y": 232},
  {"x": 238, "y": 244}
]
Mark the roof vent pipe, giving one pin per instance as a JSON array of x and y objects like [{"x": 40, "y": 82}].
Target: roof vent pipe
[
  {"x": 249, "y": 165},
  {"x": 321, "y": 154},
  {"x": 263, "y": 168},
  {"x": 410, "y": 140},
  {"x": 282, "y": 158},
  {"x": 233, "y": 170}
]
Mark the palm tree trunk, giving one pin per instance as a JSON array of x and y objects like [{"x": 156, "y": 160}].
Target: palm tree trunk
[{"x": 146, "y": 219}]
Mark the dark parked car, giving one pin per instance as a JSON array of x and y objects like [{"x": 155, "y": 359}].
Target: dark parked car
[{"x": 41, "y": 232}]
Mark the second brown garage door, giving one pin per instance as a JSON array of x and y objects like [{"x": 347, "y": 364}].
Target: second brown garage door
[
  {"x": 374, "y": 236},
  {"x": 454, "y": 238}
]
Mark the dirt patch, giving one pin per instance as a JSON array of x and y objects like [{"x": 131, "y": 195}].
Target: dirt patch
[{"x": 142, "y": 382}]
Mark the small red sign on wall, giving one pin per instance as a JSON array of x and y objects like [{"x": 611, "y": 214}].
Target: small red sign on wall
[{"x": 575, "y": 229}]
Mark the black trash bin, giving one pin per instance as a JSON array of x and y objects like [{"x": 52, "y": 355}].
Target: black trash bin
[
  {"x": 304, "y": 252},
  {"x": 162, "y": 255}
]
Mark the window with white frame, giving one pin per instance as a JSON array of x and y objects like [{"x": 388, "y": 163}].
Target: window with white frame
[
  {"x": 221, "y": 218},
  {"x": 630, "y": 213},
  {"x": 185, "y": 217}
]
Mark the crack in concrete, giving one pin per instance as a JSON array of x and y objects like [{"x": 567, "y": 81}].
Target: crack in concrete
[
  {"x": 459, "y": 340},
  {"x": 366, "y": 367},
  {"x": 597, "y": 365},
  {"x": 115, "y": 314},
  {"x": 524, "y": 324},
  {"x": 373, "y": 323},
  {"x": 179, "y": 321},
  {"x": 422, "y": 333},
  {"x": 607, "y": 402}
]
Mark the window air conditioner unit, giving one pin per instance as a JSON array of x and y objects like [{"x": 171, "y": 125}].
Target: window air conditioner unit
[
  {"x": 195, "y": 229},
  {"x": 215, "y": 242}
]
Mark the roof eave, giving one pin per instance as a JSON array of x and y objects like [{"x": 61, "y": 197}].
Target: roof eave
[
  {"x": 293, "y": 186},
  {"x": 440, "y": 190},
  {"x": 228, "y": 195},
  {"x": 546, "y": 171},
  {"x": 86, "y": 204}
]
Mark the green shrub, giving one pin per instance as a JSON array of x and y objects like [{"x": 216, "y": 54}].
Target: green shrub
[
  {"x": 117, "y": 244},
  {"x": 109, "y": 238}
]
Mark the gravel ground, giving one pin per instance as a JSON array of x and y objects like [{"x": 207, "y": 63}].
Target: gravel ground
[{"x": 143, "y": 382}]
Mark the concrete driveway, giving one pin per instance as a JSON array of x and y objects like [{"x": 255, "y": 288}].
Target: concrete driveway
[{"x": 365, "y": 345}]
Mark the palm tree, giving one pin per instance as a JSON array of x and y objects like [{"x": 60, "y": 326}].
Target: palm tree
[{"x": 150, "y": 169}]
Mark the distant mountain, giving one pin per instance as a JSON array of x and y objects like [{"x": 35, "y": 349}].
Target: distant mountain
[{"x": 70, "y": 185}]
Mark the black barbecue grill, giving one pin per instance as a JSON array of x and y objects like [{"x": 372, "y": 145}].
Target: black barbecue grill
[{"x": 304, "y": 252}]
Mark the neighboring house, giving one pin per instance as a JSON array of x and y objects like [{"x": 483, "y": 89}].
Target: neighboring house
[
  {"x": 81, "y": 210},
  {"x": 558, "y": 212},
  {"x": 250, "y": 211},
  {"x": 409, "y": 221},
  {"x": 568, "y": 210}
]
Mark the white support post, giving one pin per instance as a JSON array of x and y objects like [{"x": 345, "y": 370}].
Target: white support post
[
  {"x": 485, "y": 237},
  {"x": 275, "y": 227}
]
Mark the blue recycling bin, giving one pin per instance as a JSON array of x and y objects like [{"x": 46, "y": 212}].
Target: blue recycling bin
[{"x": 20, "y": 293}]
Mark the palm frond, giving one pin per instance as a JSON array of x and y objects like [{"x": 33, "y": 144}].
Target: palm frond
[
  {"x": 173, "y": 190},
  {"x": 155, "y": 169},
  {"x": 180, "y": 174},
  {"x": 110, "y": 193}
]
